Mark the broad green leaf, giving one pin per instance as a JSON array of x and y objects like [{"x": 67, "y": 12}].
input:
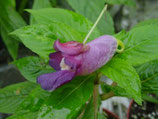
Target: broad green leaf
[
  {"x": 31, "y": 105},
  {"x": 9, "y": 21},
  {"x": 147, "y": 22},
  {"x": 34, "y": 101},
  {"x": 76, "y": 21},
  {"x": 40, "y": 38},
  {"x": 125, "y": 2},
  {"x": 148, "y": 73},
  {"x": 141, "y": 45},
  {"x": 32, "y": 67},
  {"x": 11, "y": 96},
  {"x": 66, "y": 101},
  {"x": 91, "y": 10},
  {"x": 39, "y": 4},
  {"x": 125, "y": 76}
]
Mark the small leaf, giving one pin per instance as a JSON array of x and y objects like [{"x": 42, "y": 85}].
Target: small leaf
[
  {"x": 66, "y": 101},
  {"x": 148, "y": 73},
  {"x": 117, "y": 90},
  {"x": 125, "y": 76},
  {"x": 32, "y": 67},
  {"x": 40, "y": 38},
  {"x": 91, "y": 10},
  {"x": 11, "y": 96},
  {"x": 150, "y": 98}
]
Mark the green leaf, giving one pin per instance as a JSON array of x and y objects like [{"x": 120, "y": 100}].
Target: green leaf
[
  {"x": 91, "y": 10},
  {"x": 39, "y": 4},
  {"x": 89, "y": 110},
  {"x": 74, "y": 20},
  {"x": 6, "y": 3},
  {"x": 150, "y": 98},
  {"x": 32, "y": 115},
  {"x": 10, "y": 42},
  {"x": 148, "y": 73},
  {"x": 125, "y": 76},
  {"x": 117, "y": 90},
  {"x": 141, "y": 45},
  {"x": 11, "y": 96},
  {"x": 101, "y": 116},
  {"x": 40, "y": 38},
  {"x": 147, "y": 22},
  {"x": 125, "y": 2},
  {"x": 122, "y": 35},
  {"x": 9, "y": 21},
  {"x": 34, "y": 101},
  {"x": 66, "y": 101},
  {"x": 31, "y": 105},
  {"x": 32, "y": 67}
]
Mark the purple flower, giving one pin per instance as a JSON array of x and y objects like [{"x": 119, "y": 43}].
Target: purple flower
[{"x": 74, "y": 59}]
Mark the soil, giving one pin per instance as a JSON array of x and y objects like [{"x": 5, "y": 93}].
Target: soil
[{"x": 148, "y": 110}]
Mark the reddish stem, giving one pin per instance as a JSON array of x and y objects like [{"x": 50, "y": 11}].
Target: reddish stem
[{"x": 129, "y": 108}]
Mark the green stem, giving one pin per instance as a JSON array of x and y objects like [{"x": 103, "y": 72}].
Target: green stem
[
  {"x": 107, "y": 95},
  {"x": 95, "y": 24},
  {"x": 82, "y": 113},
  {"x": 121, "y": 44},
  {"x": 110, "y": 94},
  {"x": 95, "y": 100}
]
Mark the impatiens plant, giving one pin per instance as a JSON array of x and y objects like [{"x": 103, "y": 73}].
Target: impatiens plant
[{"x": 72, "y": 55}]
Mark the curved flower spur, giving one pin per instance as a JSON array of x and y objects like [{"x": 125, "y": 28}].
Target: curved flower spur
[{"x": 76, "y": 59}]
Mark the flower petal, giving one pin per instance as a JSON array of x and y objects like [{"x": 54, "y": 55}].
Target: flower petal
[
  {"x": 69, "y": 48},
  {"x": 51, "y": 81},
  {"x": 55, "y": 59},
  {"x": 73, "y": 63},
  {"x": 101, "y": 51}
]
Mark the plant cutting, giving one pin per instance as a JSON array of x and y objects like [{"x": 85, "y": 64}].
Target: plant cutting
[{"x": 73, "y": 54}]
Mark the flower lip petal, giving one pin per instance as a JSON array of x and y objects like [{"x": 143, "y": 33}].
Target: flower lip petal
[
  {"x": 51, "y": 81},
  {"x": 69, "y": 48},
  {"x": 55, "y": 59}
]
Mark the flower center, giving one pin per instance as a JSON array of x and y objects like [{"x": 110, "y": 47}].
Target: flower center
[{"x": 64, "y": 66}]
